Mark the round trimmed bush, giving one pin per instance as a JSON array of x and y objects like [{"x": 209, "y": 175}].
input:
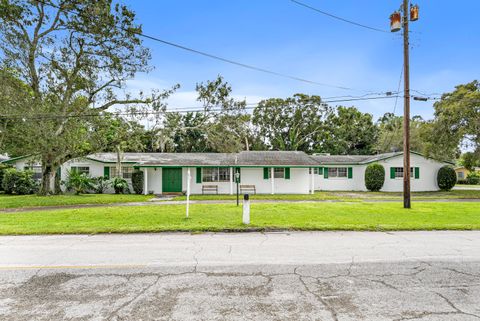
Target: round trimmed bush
[
  {"x": 446, "y": 178},
  {"x": 374, "y": 177}
]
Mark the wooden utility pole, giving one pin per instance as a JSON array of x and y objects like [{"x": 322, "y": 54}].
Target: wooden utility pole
[{"x": 406, "y": 109}]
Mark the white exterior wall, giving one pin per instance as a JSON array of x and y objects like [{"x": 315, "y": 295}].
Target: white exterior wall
[
  {"x": 426, "y": 182},
  {"x": 154, "y": 180},
  {"x": 428, "y": 174},
  {"x": 356, "y": 183},
  {"x": 297, "y": 184}
]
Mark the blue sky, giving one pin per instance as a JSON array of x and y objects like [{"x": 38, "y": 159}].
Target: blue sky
[{"x": 282, "y": 36}]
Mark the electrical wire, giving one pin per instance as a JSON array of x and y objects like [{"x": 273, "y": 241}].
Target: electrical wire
[
  {"x": 394, "y": 110},
  {"x": 196, "y": 109},
  {"x": 339, "y": 18},
  {"x": 212, "y": 56}
]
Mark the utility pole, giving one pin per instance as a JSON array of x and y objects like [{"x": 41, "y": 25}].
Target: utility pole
[
  {"x": 406, "y": 110},
  {"x": 397, "y": 21}
]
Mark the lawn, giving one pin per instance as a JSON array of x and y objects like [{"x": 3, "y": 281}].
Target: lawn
[
  {"x": 348, "y": 196},
  {"x": 17, "y": 201},
  {"x": 360, "y": 216}
]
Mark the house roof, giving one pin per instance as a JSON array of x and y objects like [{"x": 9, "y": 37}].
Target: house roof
[
  {"x": 246, "y": 158},
  {"x": 357, "y": 159}
]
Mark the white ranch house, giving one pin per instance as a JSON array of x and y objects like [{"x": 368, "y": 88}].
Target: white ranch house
[{"x": 261, "y": 172}]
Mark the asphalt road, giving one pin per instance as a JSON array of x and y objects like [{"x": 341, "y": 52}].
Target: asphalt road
[{"x": 249, "y": 276}]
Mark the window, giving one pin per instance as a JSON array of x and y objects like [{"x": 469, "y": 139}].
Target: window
[
  {"x": 216, "y": 174},
  {"x": 279, "y": 172},
  {"x": 337, "y": 172},
  {"x": 81, "y": 169},
  {"x": 460, "y": 175},
  {"x": 126, "y": 172},
  {"x": 399, "y": 172},
  {"x": 37, "y": 171}
]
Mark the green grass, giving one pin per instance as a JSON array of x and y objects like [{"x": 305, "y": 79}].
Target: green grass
[
  {"x": 18, "y": 201},
  {"x": 348, "y": 196},
  {"x": 219, "y": 217}
]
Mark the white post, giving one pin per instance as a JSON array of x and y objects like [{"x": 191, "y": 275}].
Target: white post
[
  {"x": 313, "y": 180},
  {"x": 188, "y": 190},
  {"x": 272, "y": 179},
  {"x": 246, "y": 210},
  {"x": 145, "y": 181},
  {"x": 231, "y": 180}
]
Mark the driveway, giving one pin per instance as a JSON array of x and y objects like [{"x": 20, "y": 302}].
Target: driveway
[{"x": 246, "y": 276}]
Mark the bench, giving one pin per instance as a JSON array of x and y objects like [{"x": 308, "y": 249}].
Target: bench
[
  {"x": 209, "y": 188},
  {"x": 246, "y": 188}
]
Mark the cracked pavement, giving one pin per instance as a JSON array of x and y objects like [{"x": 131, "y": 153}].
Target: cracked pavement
[{"x": 244, "y": 276}]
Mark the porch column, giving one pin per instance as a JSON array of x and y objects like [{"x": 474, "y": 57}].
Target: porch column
[
  {"x": 272, "y": 180},
  {"x": 231, "y": 180},
  {"x": 145, "y": 181},
  {"x": 312, "y": 179}
]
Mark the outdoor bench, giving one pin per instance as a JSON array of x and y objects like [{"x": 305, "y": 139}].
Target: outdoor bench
[
  {"x": 246, "y": 188},
  {"x": 209, "y": 188}
]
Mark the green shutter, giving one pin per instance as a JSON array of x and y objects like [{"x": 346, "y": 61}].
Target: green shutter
[
  {"x": 417, "y": 172},
  {"x": 287, "y": 172},
  {"x": 392, "y": 172},
  {"x": 320, "y": 171},
  {"x": 106, "y": 172},
  {"x": 266, "y": 173},
  {"x": 350, "y": 172},
  {"x": 325, "y": 172},
  {"x": 237, "y": 170},
  {"x": 199, "y": 175},
  {"x": 59, "y": 172}
]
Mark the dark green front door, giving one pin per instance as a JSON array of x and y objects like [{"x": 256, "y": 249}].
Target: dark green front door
[{"x": 171, "y": 180}]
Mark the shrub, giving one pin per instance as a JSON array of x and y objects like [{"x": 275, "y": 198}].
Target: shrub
[
  {"x": 120, "y": 185},
  {"x": 100, "y": 184},
  {"x": 374, "y": 177},
  {"x": 78, "y": 182},
  {"x": 19, "y": 182},
  {"x": 3, "y": 168},
  {"x": 137, "y": 181},
  {"x": 473, "y": 178},
  {"x": 446, "y": 178}
]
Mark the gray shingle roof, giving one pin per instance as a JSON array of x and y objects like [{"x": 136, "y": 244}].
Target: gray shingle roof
[
  {"x": 352, "y": 159},
  {"x": 253, "y": 158},
  {"x": 275, "y": 158}
]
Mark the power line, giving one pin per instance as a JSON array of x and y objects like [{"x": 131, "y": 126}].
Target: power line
[
  {"x": 140, "y": 113},
  {"x": 212, "y": 56},
  {"x": 338, "y": 18},
  {"x": 394, "y": 110}
]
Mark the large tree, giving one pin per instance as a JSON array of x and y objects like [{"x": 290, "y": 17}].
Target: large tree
[
  {"x": 74, "y": 56},
  {"x": 457, "y": 121},
  {"x": 294, "y": 123},
  {"x": 349, "y": 132},
  {"x": 390, "y": 134}
]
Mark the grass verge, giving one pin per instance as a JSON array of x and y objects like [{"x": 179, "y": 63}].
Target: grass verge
[
  {"x": 19, "y": 201},
  {"x": 265, "y": 216},
  {"x": 348, "y": 196}
]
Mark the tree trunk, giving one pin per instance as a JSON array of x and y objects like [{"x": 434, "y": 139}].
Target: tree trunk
[
  {"x": 247, "y": 146},
  {"x": 47, "y": 172},
  {"x": 58, "y": 179}
]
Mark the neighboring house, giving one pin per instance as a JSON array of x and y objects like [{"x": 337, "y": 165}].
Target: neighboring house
[
  {"x": 462, "y": 172},
  {"x": 262, "y": 172}
]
